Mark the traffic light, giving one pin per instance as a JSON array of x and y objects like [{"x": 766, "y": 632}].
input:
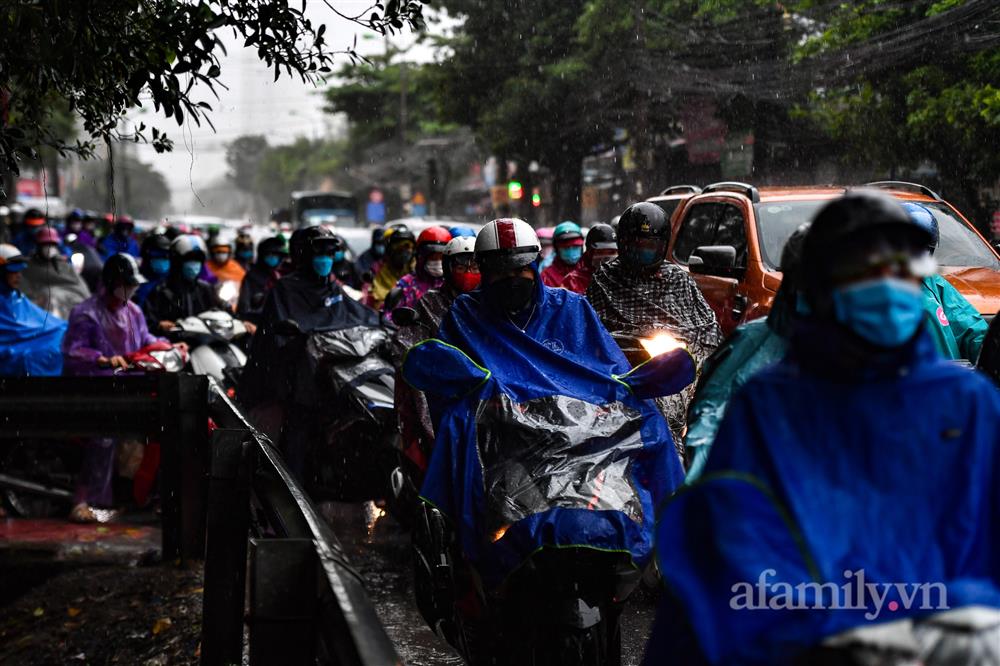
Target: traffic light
[
  {"x": 536, "y": 198},
  {"x": 514, "y": 190}
]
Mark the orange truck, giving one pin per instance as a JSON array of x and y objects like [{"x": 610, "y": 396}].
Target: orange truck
[{"x": 730, "y": 236}]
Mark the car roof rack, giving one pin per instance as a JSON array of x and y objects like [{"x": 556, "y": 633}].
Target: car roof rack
[
  {"x": 903, "y": 185},
  {"x": 681, "y": 189},
  {"x": 748, "y": 191}
]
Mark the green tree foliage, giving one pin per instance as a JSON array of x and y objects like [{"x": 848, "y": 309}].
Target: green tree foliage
[
  {"x": 103, "y": 57},
  {"x": 142, "y": 191},
  {"x": 941, "y": 104},
  {"x": 244, "y": 156},
  {"x": 302, "y": 164}
]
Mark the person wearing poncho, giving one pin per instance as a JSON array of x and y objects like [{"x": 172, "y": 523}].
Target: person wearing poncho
[{"x": 640, "y": 293}]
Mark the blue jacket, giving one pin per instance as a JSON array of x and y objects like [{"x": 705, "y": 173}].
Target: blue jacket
[
  {"x": 112, "y": 244},
  {"x": 957, "y": 328},
  {"x": 550, "y": 387},
  {"x": 833, "y": 461},
  {"x": 30, "y": 337}
]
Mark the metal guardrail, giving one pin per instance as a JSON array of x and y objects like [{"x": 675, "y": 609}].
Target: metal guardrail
[
  {"x": 230, "y": 500},
  {"x": 304, "y": 602}
]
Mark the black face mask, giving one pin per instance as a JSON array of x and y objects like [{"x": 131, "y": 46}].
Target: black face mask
[{"x": 511, "y": 294}]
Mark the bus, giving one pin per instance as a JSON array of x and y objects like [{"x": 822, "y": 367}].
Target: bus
[{"x": 312, "y": 208}]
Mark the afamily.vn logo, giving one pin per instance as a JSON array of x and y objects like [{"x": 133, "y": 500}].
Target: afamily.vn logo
[{"x": 854, "y": 594}]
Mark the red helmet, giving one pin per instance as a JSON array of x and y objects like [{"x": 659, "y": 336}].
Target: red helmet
[
  {"x": 433, "y": 239},
  {"x": 47, "y": 235}
]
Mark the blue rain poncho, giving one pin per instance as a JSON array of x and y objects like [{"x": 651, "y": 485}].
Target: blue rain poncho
[
  {"x": 551, "y": 448},
  {"x": 30, "y": 337},
  {"x": 833, "y": 461}
]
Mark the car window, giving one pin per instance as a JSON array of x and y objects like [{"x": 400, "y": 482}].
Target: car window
[
  {"x": 732, "y": 231},
  {"x": 697, "y": 229},
  {"x": 668, "y": 206},
  {"x": 775, "y": 223},
  {"x": 959, "y": 245}
]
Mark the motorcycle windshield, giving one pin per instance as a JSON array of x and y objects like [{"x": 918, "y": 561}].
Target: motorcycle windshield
[
  {"x": 557, "y": 451},
  {"x": 354, "y": 342}
]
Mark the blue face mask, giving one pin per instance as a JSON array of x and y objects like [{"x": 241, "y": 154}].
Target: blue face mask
[
  {"x": 322, "y": 265},
  {"x": 272, "y": 260},
  {"x": 885, "y": 312},
  {"x": 570, "y": 255},
  {"x": 245, "y": 254},
  {"x": 190, "y": 270},
  {"x": 338, "y": 256},
  {"x": 159, "y": 266},
  {"x": 378, "y": 250}
]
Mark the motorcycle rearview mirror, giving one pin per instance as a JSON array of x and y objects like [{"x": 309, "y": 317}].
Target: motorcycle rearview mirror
[
  {"x": 666, "y": 373},
  {"x": 434, "y": 366},
  {"x": 288, "y": 328},
  {"x": 404, "y": 316},
  {"x": 393, "y": 298}
]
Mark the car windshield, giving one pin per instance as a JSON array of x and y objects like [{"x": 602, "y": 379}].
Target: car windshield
[
  {"x": 775, "y": 223},
  {"x": 959, "y": 246}
]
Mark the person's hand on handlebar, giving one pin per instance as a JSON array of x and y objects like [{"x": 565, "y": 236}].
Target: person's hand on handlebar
[
  {"x": 166, "y": 325},
  {"x": 117, "y": 362},
  {"x": 250, "y": 326},
  {"x": 183, "y": 346}
]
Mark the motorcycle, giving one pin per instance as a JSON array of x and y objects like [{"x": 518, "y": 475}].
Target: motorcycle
[
  {"x": 211, "y": 337},
  {"x": 348, "y": 369},
  {"x": 559, "y": 605}
]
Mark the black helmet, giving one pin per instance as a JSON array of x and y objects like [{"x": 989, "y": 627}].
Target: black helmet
[
  {"x": 643, "y": 224},
  {"x": 602, "y": 237},
  {"x": 272, "y": 245},
  {"x": 858, "y": 219},
  {"x": 399, "y": 234},
  {"x": 327, "y": 243},
  {"x": 301, "y": 243},
  {"x": 121, "y": 269},
  {"x": 378, "y": 235},
  {"x": 155, "y": 242}
]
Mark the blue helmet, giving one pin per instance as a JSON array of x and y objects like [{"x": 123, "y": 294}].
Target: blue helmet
[
  {"x": 567, "y": 231},
  {"x": 924, "y": 219},
  {"x": 461, "y": 232}
]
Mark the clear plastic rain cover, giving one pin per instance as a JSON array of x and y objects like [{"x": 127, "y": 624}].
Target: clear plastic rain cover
[{"x": 557, "y": 452}]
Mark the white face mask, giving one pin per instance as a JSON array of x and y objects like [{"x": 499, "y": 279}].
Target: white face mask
[
  {"x": 49, "y": 251},
  {"x": 434, "y": 268},
  {"x": 221, "y": 257},
  {"x": 124, "y": 293}
]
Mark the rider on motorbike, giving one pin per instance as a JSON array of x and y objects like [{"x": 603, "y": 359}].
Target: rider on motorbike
[
  {"x": 752, "y": 347},
  {"x": 182, "y": 293},
  {"x": 956, "y": 326},
  {"x": 49, "y": 280},
  {"x": 221, "y": 263},
  {"x": 154, "y": 266},
  {"x": 261, "y": 278},
  {"x": 567, "y": 239},
  {"x": 852, "y": 483},
  {"x": 601, "y": 246},
  {"x": 373, "y": 254},
  {"x": 312, "y": 299},
  {"x": 30, "y": 337},
  {"x": 399, "y": 246},
  {"x": 429, "y": 272},
  {"x": 102, "y": 331},
  {"x": 244, "y": 250},
  {"x": 24, "y": 239},
  {"x": 640, "y": 292},
  {"x": 542, "y": 444},
  {"x": 120, "y": 239}
]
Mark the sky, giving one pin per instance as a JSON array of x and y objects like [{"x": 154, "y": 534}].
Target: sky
[{"x": 256, "y": 104}]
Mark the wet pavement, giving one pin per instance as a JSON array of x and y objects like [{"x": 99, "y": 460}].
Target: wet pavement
[{"x": 382, "y": 556}]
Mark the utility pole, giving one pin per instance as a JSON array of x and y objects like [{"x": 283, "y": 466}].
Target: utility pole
[
  {"x": 640, "y": 142},
  {"x": 402, "y": 101}
]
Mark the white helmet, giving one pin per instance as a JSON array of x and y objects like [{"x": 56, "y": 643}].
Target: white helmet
[
  {"x": 187, "y": 244},
  {"x": 10, "y": 254},
  {"x": 460, "y": 245},
  {"x": 506, "y": 244}
]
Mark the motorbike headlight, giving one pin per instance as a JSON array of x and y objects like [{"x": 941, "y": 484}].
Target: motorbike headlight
[
  {"x": 229, "y": 291},
  {"x": 661, "y": 343},
  {"x": 170, "y": 359}
]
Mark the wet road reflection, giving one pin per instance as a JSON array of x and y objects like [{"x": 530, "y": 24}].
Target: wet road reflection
[{"x": 380, "y": 549}]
